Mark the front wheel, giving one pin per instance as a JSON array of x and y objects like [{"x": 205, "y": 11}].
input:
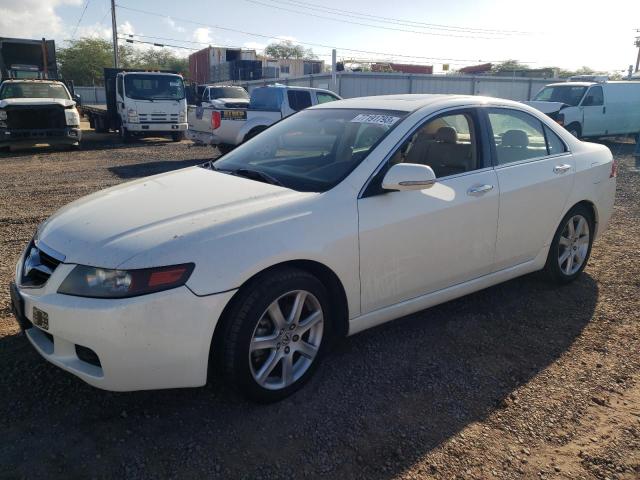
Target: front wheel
[
  {"x": 125, "y": 136},
  {"x": 571, "y": 245},
  {"x": 177, "y": 137},
  {"x": 575, "y": 130},
  {"x": 276, "y": 333}
]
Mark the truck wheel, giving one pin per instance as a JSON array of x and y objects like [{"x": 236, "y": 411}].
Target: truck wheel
[
  {"x": 124, "y": 134},
  {"x": 99, "y": 125},
  {"x": 224, "y": 149},
  {"x": 575, "y": 130},
  {"x": 177, "y": 137},
  {"x": 6, "y": 149},
  {"x": 253, "y": 133}
]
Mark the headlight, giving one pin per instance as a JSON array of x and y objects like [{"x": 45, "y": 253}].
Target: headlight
[
  {"x": 132, "y": 116},
  {"x": 182, "y": 117},
  {"x": 94, "y": 282},
  {"x": 72, "y": 117},
  {"x": 3, "y": 115}
]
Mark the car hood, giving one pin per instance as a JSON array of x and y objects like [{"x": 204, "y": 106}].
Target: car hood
[
  {"x": 546, "y": 107},
  {"x": 36, "y": 101},
  {"x": 109, "y": 227}
]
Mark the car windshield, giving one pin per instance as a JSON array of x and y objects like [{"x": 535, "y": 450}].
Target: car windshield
[
  {"x": 154, "y": 87},
  {"x": 33, "y": 90},
  {"x": 569, "y": 94},
  {"x": 228, "y": 92},
  {"x": 313, "y": 150}
]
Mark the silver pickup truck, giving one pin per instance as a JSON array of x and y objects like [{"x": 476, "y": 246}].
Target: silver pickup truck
[{"x": 226, "y": 128}]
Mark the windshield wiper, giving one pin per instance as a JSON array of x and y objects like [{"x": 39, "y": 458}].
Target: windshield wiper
[{"x": 256, "y": 175}]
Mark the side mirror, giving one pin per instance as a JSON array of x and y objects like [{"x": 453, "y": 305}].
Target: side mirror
[
  {"x": 409, "y": 176},
  {"x": 77, "y": 99}
]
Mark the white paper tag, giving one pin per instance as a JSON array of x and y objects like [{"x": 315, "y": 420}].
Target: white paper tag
[
  {"x": 386, "y": 120},
  {"x": 174, "y": 84}
]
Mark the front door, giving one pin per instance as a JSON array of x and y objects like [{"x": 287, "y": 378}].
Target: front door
[{"x": 416, "y": 242}]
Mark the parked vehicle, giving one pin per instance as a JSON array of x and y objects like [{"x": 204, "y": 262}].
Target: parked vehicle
[
  {"x": 227, "y": 128},
  {"x": 141, "y": 103},
  {"x": 37, "y": 111},
  {"x": 589, "y": 109},
  {"x": 223, "y": 96},
  {"x": 337, "y": 219}
]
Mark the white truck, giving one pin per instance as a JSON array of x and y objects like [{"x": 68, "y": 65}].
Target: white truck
[
  {"x": 37, "y": 111},
  {"x": 592, "y": 109},
  {"x": 141, "y": 103},
  {"x": 226, "y": 128}
]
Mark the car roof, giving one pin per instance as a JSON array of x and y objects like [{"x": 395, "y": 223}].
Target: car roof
[
  {"x": 29, "y": 80},
  {"x": 411, "y": 102},
  {"x": 573, "y": 84}
]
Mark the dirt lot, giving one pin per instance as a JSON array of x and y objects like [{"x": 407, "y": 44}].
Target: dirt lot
[{"x": 522, "y": 380}]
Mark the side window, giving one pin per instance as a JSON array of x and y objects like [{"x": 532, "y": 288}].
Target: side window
[
  {"x": 325, "y": 97},
  {"x": 594, "y": 97},
  {"x": 119, "y": 86},
  {"x": 554, "y": 144},
  {"x": 517, "y": 136},
  {"x": 447, "y": 144},
  {"x": 299, "y": 99}
]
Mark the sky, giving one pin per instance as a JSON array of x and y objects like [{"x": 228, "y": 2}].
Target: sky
[{"x": 562, "y": 33}]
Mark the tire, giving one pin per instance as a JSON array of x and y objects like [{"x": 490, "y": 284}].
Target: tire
[
  {"x": 224, "y": 149},
  {"x": 125, "y": 136},
  {"x": 177, "y": 137},
  {"x": 253, "y": 133},
  {"x": 575, "y": 130},
  {"x": 568, "y": 249},
  {"x": 261, "y": 374},
  {"x": 99, "y": 125}
]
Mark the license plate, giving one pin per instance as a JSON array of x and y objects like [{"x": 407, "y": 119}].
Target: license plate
[{"x": 40, "y": 318}]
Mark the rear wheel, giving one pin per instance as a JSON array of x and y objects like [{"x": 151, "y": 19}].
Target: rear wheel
[
  {"x": 571, "y": 245},
  {"x": 575, "y": 130},
  {"x": 224, "y": 149},
  {"x": 253, "y": 133},
  {"x": 275, "y": 334}
]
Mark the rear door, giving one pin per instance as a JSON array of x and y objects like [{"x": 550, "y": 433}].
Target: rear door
[
  {"x": 535, "y": 172},
  {"x": 594, "y": 113}
]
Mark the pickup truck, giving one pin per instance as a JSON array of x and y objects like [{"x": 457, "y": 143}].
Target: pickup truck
[
  {"x": 227, "y": 128},
  {"x": 37, "y": 111}
]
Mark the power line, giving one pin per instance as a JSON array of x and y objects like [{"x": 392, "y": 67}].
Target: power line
[
  {"x": 396, "y": 21},
  {"x": 80, "y": 19},
  {"x": 132, "y": 40},
  {"x": 275, "y": 37},
  {"x": 371, "y": 25}
]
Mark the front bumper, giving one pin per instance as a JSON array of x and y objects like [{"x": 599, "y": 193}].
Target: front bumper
[
  {"x": 155, "y": 341},
  {"x": 156, "y": 128},
  {"x": 51, "y": 136}
]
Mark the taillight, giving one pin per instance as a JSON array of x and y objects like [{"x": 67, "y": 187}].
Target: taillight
[
  {"x": 614, "y": 168},
  {"x": 215, "y": 120}
]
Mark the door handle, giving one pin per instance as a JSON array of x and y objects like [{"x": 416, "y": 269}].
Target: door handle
[
  {"x": 604, "y": 109},
  {"x": 561, "y": 168},
  {"x": 478, "y": 190}
]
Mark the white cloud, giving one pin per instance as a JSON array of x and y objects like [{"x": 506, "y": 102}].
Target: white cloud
[
  {"x": 32, "y": 18},
  {"x": 254, "y": 45},
  {"x": 174, "y": 26},
  {"x": 202, "y": 35},
  {"x": 287, "y": 38},
  {"x": 94, "y": 31},
  {"x": 126, "y": 28}
]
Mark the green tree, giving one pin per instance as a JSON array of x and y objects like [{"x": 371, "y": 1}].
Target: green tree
[
  {"x": 509, "y": 66},
  {"x": 286, "y": 50}
]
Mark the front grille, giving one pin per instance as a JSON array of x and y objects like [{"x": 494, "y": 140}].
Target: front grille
[
  {"x": 158, "y": 118},
  {"x": 35, "y": 117},
  {"x": 38, "y": 266}
]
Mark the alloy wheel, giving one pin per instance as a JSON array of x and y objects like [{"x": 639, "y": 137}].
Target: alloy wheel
[
  {"x": 286, "y": 340},
  {"x": 573, "y": 245}
]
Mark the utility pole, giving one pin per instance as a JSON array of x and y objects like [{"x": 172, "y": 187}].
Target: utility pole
[
  {"x": 638, "y": 45},
  {"x": 334, "y": 81},
  {"x": 114, "y": 27}
]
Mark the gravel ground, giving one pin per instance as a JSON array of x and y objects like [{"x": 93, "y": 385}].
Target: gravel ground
[{"x": 522, "y": 380}]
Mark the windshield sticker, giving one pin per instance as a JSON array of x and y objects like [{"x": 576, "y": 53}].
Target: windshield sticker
[
  {"x": 386, "y": 120},
  {"x": 174, "y": 84}
]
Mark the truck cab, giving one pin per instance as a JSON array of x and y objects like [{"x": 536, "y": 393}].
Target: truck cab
[
  {"x": 149, "y": 104},
  {"x": 37, "y": 111}
]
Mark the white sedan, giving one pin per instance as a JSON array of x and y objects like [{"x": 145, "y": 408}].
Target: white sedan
[{"x": 337, "y": 219}]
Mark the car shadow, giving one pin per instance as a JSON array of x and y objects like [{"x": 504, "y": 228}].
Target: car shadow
[{"x": 380, "y": 401}]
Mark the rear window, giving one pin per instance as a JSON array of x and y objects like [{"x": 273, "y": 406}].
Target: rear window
[{"x": 266, "y": 99}]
